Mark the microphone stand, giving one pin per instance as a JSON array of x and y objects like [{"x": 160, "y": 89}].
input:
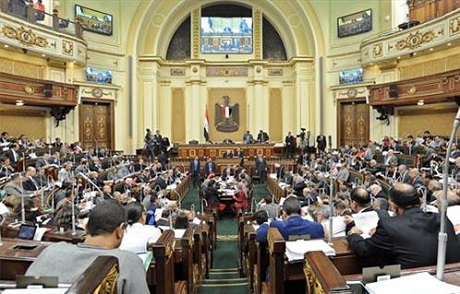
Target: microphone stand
[
  {"x": 331, "y": 207},
  {"x": 442, "y": 237},
  {"x": 91, "y": 182},
  {"x": 23, "y": 209},
  {"x": 74, "y": 232}
]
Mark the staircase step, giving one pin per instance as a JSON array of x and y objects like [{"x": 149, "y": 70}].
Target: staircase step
[
  {"x": 224, "y": 275},
  {"x": 221, "y": 270},
  {"x": 225, "y": 281},
  {"x": 239, "y": 288}
]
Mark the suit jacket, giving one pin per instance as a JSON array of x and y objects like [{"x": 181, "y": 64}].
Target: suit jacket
[
  {"x": 262, "y": 137},
  {"x": 10, "y": 155},
  {"x": 210, "y": 167},
  {"x": 194, "y": 170},
  {"x": 391, "y": 160},
  {"x": 321, "y": 142},
  {"x": 410, "y": 240},
  {"x": 296, "y": 225},
  {"x": 260, "y": 165}
]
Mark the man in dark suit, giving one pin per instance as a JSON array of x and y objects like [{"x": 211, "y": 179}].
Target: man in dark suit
[
  {"x": 409, "y": 239},
  {"x": 13, "y": 155},
  {"x": 290, "y": 145},
  {"x": 293, "y": 224},
  {"x": 262, "y": 137},
  {"x": 194, "y": 171},
  {"x": 360, "y": 202},
  {"x": 260, "y": 168},
  {"x": 210, "y": 167},
  {"x": 321, "y": 143}
]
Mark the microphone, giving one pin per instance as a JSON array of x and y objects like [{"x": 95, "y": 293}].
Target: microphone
[
  {"x": 89, "y": 180},
  {"x": 442, "y": 237}
]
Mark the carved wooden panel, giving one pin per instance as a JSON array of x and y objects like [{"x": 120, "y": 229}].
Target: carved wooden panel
[
  {"x": 353, "y": 123},
  {"x": 96, "y": 125}
]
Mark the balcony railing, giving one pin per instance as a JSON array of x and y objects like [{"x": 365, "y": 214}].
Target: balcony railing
[{"x": 22, "y": 10}]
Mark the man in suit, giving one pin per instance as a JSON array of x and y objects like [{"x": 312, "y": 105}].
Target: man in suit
[
  {"x": 409, "y": 239},
  {"x": 290, "y": 145},
  {"x": 279, "y": 170},
  {"x": 14, "y": 186},
  {"x": 390, "y": 159},
  {"x": 321, "y": 143},
  {"x": 29, "y": 183},
  {"x": 262, "y": 137},
  {"x": 210, "y": 167},
  {"x": 260, "y": 168},
  {"x": 360, "y": 203},
  {"x": 13, "y": 155},
  {"x": 414, "y": 178},
  {"x": 248, "y": 138},
  {"x": 43, "y": 161},
  {"x": 293, "y": 224},
  {"x": 194, "y": 171}
]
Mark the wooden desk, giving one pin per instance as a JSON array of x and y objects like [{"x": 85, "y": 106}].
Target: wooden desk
[
  {"x": 218, "y": 150},
  {"x": 275, "y": 190},
  {"x": 180, "y": 190},
  {"x": 15, "y": 262},
  {"x": 49, "y": 236},
  {"x": 285, "y": 275}
]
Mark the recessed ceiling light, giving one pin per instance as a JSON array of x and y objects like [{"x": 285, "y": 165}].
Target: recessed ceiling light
[
  {"x": 43, "y": 55},
  {"x": 420, "y": 103},
  {"x": 431, "y": 49},
  {"x": 6, "y": 46},
  {"x": 448, "y": 44},
  {"x": 19, "y": 103},
  {"x": 399, "y": 57}
]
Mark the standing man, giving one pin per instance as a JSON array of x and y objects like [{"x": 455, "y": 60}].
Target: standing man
[
  {"x": 290, "y": 144},
  {"x": 157, "y": 140},
  {"x": 148, "y": 140},
  {"x": 248, "y": 138},
  {"x": 321, "y": 143},
  {"x": 210, "y": 167},
  {"x": 195, "y": 171},
  {"x": 262, "y": 137},
  {"x": 260, "y": 168}
]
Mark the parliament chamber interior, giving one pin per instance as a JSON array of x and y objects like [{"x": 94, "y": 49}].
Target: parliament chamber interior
[{"x": 208, "y": 146}]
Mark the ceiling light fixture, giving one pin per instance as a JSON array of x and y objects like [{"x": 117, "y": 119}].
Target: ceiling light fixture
[
  {"x": 19, "y": 103},
  {"x": 420, "y": 103}
]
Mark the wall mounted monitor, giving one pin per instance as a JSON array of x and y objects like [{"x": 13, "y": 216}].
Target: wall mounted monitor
[
  {"x": 226, "y": 35},
  {"x": 101, "y": 76},
  {"x": 351, "y": 76}
]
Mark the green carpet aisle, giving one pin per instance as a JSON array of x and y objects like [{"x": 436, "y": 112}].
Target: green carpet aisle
[{"x": 224, "y": 277}]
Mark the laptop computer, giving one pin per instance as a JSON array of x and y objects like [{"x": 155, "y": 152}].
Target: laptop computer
[{"x": 27, "y": 232}]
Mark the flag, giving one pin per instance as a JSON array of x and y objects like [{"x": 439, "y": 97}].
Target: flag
[{"x": 206, "y": 124}]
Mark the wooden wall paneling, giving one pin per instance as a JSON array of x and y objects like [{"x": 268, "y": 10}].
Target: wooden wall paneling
[
  {"x": 178, "y": 116},
  {"x": 415, "y": 121},
  {"x": 17, "y": 121},
  {"x": 275, "y": 130}
]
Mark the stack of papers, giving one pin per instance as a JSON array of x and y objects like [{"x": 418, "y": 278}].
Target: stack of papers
[
  {"x": 295, "y": 250},
  {"x": 366, "y": 221},
  {"x": 417, "y": 284}
]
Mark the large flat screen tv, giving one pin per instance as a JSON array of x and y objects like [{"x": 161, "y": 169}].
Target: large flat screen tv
[
  {"x": 351, "y": 76},
  {"x": 96, "y": 75},
  {"x": 226, "y": 35}
]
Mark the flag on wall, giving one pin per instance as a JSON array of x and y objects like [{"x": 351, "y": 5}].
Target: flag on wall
[{"x": 206, "y": 124}]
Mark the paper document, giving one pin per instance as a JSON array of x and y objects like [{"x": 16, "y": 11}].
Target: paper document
[
  {"x": 422, "y": 283},
  {"x": 338, "y": 226},
  {"x": 366, "y": 221},
  {"x": 295, "y": 250},
  {"x": 453, "y": 213}
]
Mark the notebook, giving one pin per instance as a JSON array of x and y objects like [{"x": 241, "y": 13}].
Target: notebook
[{"x": 27, "y": 232}]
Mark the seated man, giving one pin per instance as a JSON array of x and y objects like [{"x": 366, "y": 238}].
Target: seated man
[
  {"x": 105, "y": 229},
  {"x": 409, "y": 239},
  {"x": 293, "y": 224}
]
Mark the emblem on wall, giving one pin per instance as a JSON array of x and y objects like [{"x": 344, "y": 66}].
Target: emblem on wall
[{"x": 227, "y": 116}]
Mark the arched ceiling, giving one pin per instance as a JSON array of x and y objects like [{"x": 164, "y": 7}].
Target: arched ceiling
[{"x": 156, "y": 21}]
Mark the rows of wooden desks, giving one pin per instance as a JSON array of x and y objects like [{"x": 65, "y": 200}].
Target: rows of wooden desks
[
  {"x": 316, "y": 273},
  {"x": 260, "y": 258},
  {"x": 191, "y": 256}
]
